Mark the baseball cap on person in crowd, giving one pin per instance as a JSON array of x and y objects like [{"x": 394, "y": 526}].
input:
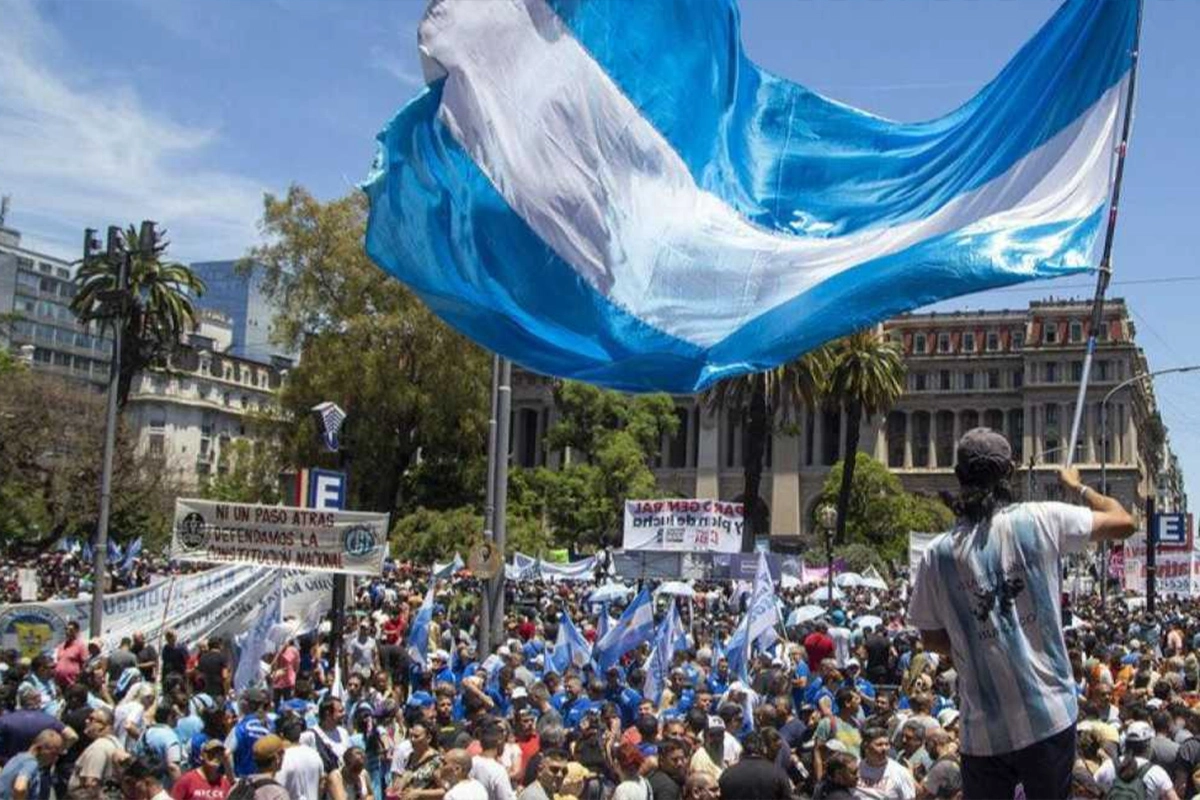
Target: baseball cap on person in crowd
[
  {"x": 853, "y": 663},
  {"x": 947, "y": 717},
  {"x": 1139, "y": 731},
  {"x": 267, "y": 747},
  {"x": 212, "y": 746},
  {"x": 715, "y": 723},
  {"x": 420, "y": 700}
]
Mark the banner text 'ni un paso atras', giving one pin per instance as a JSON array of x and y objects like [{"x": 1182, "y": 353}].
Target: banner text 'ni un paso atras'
[
  {"x": 693, "y": 526},
  {"x": 280, "y": 536}
]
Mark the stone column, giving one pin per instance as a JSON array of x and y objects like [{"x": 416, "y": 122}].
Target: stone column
[
  {"x": 957, "y": 435},
  {"x": 1131, "y": 437},
  {"x": 1089, "y": 433},
  {"x": 1027, "y": 426},
  {"x": 908, "y": 440},
  {"x": 785, "y": 485},
  {"x": 881, "y": 440},
  {"x": 933, "y": 459},
  {"x": 708, "y": 457}
]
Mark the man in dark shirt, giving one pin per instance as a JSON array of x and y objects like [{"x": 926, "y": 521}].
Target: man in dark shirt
[
  {"x": 754, "y": 777},
  {"x": 214, "y": 667},
  {"x": 1187, "y": 759},
  {"x": 120, "y": 660},
  {"x": 147, "y": 656},
  {"x": 174, "y": 656},
  {"x": 667, "y": 779},
  {"x": 879, "y": 656}
]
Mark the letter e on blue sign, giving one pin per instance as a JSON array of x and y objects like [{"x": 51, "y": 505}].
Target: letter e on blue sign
[
  {"x": 1172, "y": 530},
  {"x": 326, "y": 489}
]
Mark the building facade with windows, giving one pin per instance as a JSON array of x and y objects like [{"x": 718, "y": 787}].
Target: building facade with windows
[
  {"x": 1017, "y": 371},
  {"x": 36, "y": 290},
  {"x": 191, "y": 410}
]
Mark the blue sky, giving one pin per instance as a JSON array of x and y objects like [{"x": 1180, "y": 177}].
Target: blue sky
[{"x": 186, "y": 111}]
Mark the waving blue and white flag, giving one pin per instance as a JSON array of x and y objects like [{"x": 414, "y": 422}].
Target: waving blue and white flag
[
  {"x": 132, "y": 552},
  {"x": 417, "y": 640},
  {"x": 570, "y": 648},
  {"x": 658, "y": 663},
  {"x": 249, "y": 666},
  {"x": 114, "y": 554},
  {"x": 612, "y": 191},
  {"x": 635, "y": 626}
]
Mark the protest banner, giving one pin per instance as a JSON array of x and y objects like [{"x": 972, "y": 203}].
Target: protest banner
[
  {"x": 280, "y": 536},
  {"x": 710, "y": 526},
  {"x": 1178, "y": 573},
  {"x": 222, "y": 601}
]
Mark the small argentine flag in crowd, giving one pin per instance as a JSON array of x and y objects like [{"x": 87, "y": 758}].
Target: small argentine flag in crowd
[
  {"x": 331, "y": 417},
  {"x": 566, "y": 196},
  {"x": 570, "y": 648},
  {"x": 635, "y": 626}
]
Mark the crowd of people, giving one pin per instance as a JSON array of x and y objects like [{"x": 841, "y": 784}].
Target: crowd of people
[
  {"x": 850, "y": 702},
  {"x": 836, "y": 709}
]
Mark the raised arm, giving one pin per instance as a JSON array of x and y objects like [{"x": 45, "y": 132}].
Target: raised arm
[{"x": 1110, "y": 520}]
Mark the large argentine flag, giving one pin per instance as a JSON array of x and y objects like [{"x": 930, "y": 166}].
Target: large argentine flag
[{"x": 612, "y": 191}]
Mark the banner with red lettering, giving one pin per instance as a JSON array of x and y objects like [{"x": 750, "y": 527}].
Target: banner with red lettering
[
  {"x": 694, "y": 526},
  {"x": 320, "y": 540}
]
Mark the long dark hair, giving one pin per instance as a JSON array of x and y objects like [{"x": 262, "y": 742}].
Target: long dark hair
[{"x": 977, "y": 503}]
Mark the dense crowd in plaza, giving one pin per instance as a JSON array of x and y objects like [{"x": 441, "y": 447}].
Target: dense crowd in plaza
[{"x": 847, "y": 705}]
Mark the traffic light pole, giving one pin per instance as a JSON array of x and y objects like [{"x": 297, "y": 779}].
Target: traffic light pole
[{"x": 100, "y": 551}]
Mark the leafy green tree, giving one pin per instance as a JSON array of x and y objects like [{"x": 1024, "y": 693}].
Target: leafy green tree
[
  {"x": 865, "y": 378},
  {"x": 608, "y": 440},
  {"x": 760, "y": 399},
  {"x": 247, "y": 472},
  {"x": 879, "y": 513},
  {"x": 414, "y": 391},
  {"x": 427, "y": 535},
  {"x": 859, "y": 557},
  {"x": 157, "y": 312}
]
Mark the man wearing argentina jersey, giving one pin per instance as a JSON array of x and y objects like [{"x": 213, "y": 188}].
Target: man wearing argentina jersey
[{"x": 987, "y": 595}]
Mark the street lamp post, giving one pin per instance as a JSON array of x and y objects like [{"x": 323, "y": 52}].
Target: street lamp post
[
  {"x": 827, "y": 516},
  {"x": 1104, "y": 465},
  {"x": 119, "y": 298}
]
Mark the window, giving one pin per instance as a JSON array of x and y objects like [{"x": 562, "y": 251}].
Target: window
[
  {"x": 24, "y": 263},
  {"x": 45, "y": 268},
  {"x": 968, "y": 381},
  {"x": 62, "y": 360},
  {"x": 1102, "y": 370},
  {"x": 28, "y": 280},
  {"x": 1051, "y": 415},
  {"x": 1076, "y": 331},
  {"x": 993, "y": 379},
  {"x": 48, "y": 285},
  {"x": 919, "y": 344},
  {"x": 1018, "y": 339},
  {"x": 896, "y": 424},
  {"x": 158, "y": 418},
  {"x": 968, "y": 342},
  {"x": 1102, "y": 333},
  {"x": 993, "y": 341},
  {"x": 920, "y": 383},
  {"x": 943, "y": 343},
  {"x": 1050, "y": 333},
  {"x": 677, "y": 444},
  {"x": 1076, "y": 371},
  {"x": 944, "y": 380},
  {"x": 1050, "y": 371},
  {"x": 157, "y": 444},
  {"x": 1018, "y": 377}
]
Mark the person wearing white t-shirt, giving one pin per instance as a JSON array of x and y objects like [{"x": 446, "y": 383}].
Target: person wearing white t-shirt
[
  {"x": 988, "y": 594},
  {"x": 486, "y": 769},
  {"x": 1136, "y": 763},
  {"x": 455, "y": 773},
  {"x": 881, "y": 777},
  {"x": 303, "y": 771}
]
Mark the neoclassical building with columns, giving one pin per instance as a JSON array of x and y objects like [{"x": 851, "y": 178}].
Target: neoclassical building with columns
[{"x": 1016, "y": 371}]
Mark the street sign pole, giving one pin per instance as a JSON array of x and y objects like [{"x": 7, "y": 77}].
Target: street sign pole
[{"x": 1151, "y": 555}]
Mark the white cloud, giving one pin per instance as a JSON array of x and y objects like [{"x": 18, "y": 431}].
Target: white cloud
[
  {"x": 77, "y": 154},
  {"x": 405, "y": 73}
]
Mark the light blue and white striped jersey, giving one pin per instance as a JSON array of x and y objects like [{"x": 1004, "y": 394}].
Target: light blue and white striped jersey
[{"x": 995, "y": 588}]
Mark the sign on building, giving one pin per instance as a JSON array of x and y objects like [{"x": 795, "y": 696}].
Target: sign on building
[
  {"x": 280, "y": 536},
  {"x": 1173, "y": 530},
  {"x": 709, "y": 526}
]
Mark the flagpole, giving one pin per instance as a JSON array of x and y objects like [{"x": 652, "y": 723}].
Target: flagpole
[
  {"x": 499, "y": 459},
  {"x": 1104, "y": 273},
  {"x": 483, "y": 646}
]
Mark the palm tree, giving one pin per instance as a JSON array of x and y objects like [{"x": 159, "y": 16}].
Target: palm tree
[
  {"x": 866, "y": 377},
  {"x": 760, "y": 398},
  {"x": 158, "y": 310}
]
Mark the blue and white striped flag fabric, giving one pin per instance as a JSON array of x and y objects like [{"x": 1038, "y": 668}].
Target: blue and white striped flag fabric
[
  {"x": 570, "y": 648},
  {"x": 87, "y": 554},
  {"x": 658, "y": 663},
  {"x": 417, "y": 641},
  {"x": 255, "y": 645},
  {"x": 331, "y": 416},
  {"x": 635, "y": 626},
  {"x": 604, "y": 623},
  {"x": 114, "y": 554},
  {"x": 612, "y": 191},
  {"x": 763, "y": 611},
  {"x": 133, "y": 551}
]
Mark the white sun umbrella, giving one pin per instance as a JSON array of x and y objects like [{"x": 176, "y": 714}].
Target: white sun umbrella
[
  {"x": 822, "y": 595},
  {"x": 868, "y": 620},
  {"x": 879, "y": 584},
  {"x": 676, "y": 588},
  {"x": 848, "y": 580},
  {"x": 610, "y": 593},
  {"x": 804, "y": 614}
]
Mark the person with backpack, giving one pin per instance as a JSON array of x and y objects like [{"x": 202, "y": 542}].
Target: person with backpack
[
  {"x": 1136, "y": 777},
  {"x": 261, "y": 785}
]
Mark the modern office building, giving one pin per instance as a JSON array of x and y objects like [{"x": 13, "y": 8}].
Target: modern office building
[
  {"x": 240, "y": 297},
  {"x": 35, "y": 295},
  {"x": 1016, "y": 371}
]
